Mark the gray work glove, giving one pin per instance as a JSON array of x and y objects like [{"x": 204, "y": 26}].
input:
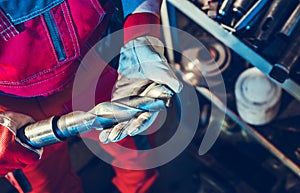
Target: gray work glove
[
  {"x": 13, "y": 153},
  {"x": 143, "y": 71},
  {"x": 13, "y": 121}
]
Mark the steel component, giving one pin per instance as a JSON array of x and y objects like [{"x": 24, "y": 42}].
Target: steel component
[
  {"x": 240, "y": 8},
  {"x": 289, "y": 58},
  {"x": 251, "y": 14},
  {"x": 206, "y": 62},
  {"x": 225, "y": 6},
  {"x": 103, "y": 115},
  {"x": 39, "y": 133},
  {"x": 274, "y": 18},
  {"x": 291, "y": 23}
]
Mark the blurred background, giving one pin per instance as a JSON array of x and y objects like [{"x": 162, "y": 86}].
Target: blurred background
[{"x": 255, "y": 45}]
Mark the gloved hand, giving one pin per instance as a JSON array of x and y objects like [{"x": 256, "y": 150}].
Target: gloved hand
[
  {"x": 14, "y": 154},
  {"x": 143, "y": 71}
]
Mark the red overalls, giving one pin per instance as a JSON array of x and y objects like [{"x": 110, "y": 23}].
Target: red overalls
[{"x": 38, "y": 61}]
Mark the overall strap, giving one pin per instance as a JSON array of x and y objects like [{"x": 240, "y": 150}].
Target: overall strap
[
  {"x": 7, "y": 29},
  {"x": 14, "y": 12}
]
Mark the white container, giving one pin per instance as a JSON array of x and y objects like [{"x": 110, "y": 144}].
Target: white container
[{"x": 257, "y": 97}]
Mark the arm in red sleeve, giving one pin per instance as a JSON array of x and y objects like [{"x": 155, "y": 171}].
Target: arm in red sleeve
[
  {"x": 139, "y": 14},
  {"x": 137, "y": 25}
]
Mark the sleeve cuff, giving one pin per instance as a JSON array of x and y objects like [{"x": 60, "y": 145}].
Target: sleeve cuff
[{"x": 137, "y": 25}]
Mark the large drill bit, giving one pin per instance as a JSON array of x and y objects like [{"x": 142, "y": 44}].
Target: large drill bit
[{"x": 104, "y": 115}]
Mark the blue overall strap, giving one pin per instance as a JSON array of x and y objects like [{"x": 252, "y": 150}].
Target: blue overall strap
[
  {"x": 19, "y": 11},
  {"x": 132, "y": 6},
  {"x": 14, "y": 12},
  {"x": 7, "y": 29}
]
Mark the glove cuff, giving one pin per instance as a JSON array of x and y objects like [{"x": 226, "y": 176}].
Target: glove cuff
[{"x": 141, "y": 24}]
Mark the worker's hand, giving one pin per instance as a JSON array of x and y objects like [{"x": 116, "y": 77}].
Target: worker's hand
[
  {"x": 14, "y": 154},
  {"x": 143, "y": 71}
]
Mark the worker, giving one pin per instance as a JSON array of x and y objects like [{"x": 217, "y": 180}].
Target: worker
[{"x": 42, "y": 44}]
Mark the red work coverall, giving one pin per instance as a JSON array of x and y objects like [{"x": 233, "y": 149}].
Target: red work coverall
[{"x": 39, "y": 55}]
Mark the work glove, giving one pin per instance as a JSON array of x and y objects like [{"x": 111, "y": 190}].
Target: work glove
[
  {"x": 143, "y": 72},
  {"x": 13, "y": 153}
]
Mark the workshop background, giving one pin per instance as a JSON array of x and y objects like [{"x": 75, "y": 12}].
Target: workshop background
[{"x": 258, "y": 150}]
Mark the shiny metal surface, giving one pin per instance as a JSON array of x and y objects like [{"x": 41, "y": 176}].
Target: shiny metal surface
[
  {"x": 224, "y": 8},
  {"x": 41, "y": 133},
  {"x": 275, "y": 17},
  {"x": 291, "y": 23},
  {"x": 103, "y": 115},
  {"x": 208, "y": 61},
  {"x": 242, "y": 6},
  {"x": 251, "y": 14},
  {"x": 289, "y": 59}
]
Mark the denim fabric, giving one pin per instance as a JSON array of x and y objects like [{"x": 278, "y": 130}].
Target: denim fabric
[
  {"x": 141, "y": 6},
  {"x": 55, "y": 36},
  {"x": 129, "y": 7},
  {"x": 20, "y": 11}
]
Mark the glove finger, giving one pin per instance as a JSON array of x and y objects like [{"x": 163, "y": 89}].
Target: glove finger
[
  {"x": 118, "y": 132},
  {"x": 129, "y": 87},
  {"x": 160, "y": 92},
  {"x": 132, "y": 127},
  {"x": 103, "y": 136},
  {"x": 140, "y": 123},
  {"x": 154, "y": 97}
]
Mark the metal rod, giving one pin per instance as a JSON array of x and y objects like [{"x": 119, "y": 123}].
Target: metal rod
[
  {"x": 291, "y": 23},
  {"x": 251, "y": 14},
  {"x": 275, "y": 17},
  {"x": 104, "y": 115},
  {"x": 224, "y": 8},
  {"x": 289, "y": 57}
]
